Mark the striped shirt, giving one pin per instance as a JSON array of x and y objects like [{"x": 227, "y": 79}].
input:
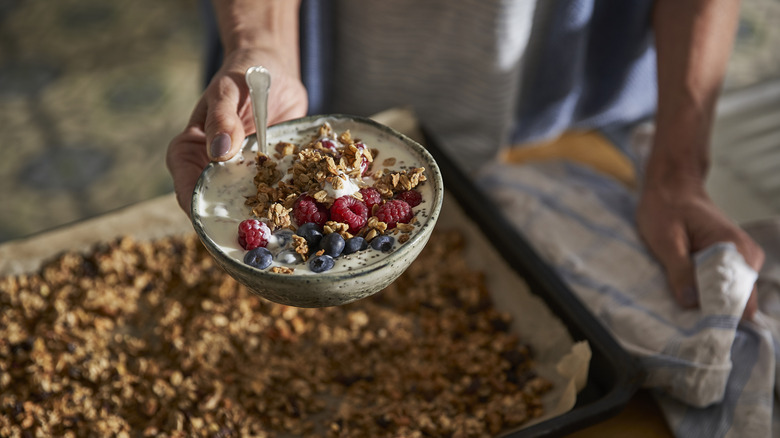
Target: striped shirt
[{"x": 457, "y": 64}]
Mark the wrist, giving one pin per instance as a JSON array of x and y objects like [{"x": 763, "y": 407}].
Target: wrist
[
  {"x": 269, "y": 26},
  {"x": 680, "y": 153},
  {"x": 674, "y": 172}
]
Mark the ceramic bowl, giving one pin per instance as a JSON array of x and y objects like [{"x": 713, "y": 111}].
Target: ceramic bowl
[{"x": 215, "y": 216}]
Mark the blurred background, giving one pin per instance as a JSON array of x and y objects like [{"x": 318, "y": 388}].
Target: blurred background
[{"x": 91, "y": 92}]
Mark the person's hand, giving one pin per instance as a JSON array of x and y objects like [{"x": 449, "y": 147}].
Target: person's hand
[
  {"x": 223, "y": 117},
  {"x": 678, "y": 219}
]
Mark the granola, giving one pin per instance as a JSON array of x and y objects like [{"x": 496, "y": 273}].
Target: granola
[
  {"x": 319, "y": 170},
  {"x": 154, "y": 339}
]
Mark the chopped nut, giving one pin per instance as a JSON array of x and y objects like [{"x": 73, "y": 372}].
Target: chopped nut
[
  {"x": 300, "y": 246},
  {"x": 374, "y": 227},
  {"x": 285, "y": 148},
  {"x": 346, "y": 138},
  {"x": 279, "y": 216},
  {"x": 282, "y": 270},
  {"x": 337, "y": 183},
  {"x": 405, "y": 228},
  {"x": 336, "y": 227},
  {"x": 321, "y": 196},
  {"x": 267, "y": 173}
]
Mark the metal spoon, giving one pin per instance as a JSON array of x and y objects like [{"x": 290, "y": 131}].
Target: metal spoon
[{"x": 259, "y": 81}]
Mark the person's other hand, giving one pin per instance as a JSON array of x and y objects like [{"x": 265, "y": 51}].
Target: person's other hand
[
  {"x": 678, "y": 219},
  {"x": 223, "y": 117}
]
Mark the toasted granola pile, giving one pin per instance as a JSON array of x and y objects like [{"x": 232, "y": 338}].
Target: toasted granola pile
[
  {"x": 154, "y": 339},
  {"x": 320, "y": 162}
]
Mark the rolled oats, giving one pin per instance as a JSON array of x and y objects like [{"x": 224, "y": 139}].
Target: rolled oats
[
  {"x": 154, "y": 339},
  {"x": 300, "y": 246},
  {"x": 322, "y": 169}
]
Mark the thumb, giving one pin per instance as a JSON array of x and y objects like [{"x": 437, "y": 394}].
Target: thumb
[
  {"x": 224, "y": 128},
  {"x": 674, "y": 255}
]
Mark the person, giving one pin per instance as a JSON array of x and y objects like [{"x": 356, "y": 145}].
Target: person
[{"x": 470, "y": 70}]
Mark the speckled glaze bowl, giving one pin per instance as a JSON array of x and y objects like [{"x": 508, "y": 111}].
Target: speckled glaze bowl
[{"x": 330, "y": 288}]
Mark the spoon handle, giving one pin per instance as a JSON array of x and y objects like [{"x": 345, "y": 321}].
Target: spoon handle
[{"x": 259, "y": 81}]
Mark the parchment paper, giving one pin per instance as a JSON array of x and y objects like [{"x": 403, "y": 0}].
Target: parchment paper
[{"x": 559, "y": 358}]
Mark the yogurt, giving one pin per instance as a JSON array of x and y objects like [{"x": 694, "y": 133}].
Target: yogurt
[{"x": 228, "y": 184}]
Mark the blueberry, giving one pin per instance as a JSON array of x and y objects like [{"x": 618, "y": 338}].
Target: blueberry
[
  {"x": 383, "y": 243},
  {"x": 288, "y": 257},
  {"x": 283, "y": 238},
  {"x": 333, "y": 244},
  {"x": 259, "y": 258},
  {"x": 310, "y": 231},
  {"x": 355, "y": 244},
  {"x": 306, "y": 227},
  {"x": 321, "y": 263}
]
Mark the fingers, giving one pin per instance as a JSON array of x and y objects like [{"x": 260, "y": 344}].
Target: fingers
[
  {"x": 750, "y": 250},
  {"x": 674, "y": 253},
  {"x": 185, "y": 159},
  {"x": 223, "y": 127},
  {"x": 215, "y": 132}
]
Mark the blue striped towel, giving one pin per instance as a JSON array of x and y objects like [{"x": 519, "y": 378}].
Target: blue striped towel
[{"x": 714, "y": 375}]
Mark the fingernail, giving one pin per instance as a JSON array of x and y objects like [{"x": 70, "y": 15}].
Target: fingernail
[
  {"x": 689, "y": 297},
  {"x": 220, "y": 145}
]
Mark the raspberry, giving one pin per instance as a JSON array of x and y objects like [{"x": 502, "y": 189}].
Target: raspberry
[
  {"x": 394, "y": 212},
  {"x": 253, "y": 234},
  {"x": 306, "y": 209},
  {"x": 351, "y": 211},
  {"x": 411, "y": 197},
  {"x": 330, "y": 145},
  {"x": 371, "y": 197}
]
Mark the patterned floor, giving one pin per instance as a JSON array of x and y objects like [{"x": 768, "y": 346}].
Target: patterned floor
[{"x": 91, "y": 92}]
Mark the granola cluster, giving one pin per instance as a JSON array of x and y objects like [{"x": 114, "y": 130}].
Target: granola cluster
[
  {"x": 154, "y": 339},
  {"x": 329, "y": 159}
]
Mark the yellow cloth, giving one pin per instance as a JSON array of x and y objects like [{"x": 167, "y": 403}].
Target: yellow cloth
[{"x": 588, "y": 148}]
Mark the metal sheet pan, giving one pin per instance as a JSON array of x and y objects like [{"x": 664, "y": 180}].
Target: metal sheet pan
[{"x": 614, "y": 376}]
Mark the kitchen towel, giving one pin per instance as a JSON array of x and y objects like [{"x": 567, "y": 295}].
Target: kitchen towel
[{"x": 713, "y": 374}]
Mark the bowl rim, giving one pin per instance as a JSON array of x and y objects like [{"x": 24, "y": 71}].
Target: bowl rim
[{"x": 432, "y": 174}]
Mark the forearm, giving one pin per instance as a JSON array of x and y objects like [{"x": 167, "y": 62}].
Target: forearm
[
  {"x": 269, "y": 25},
  {"x": 693, "y": 42}
]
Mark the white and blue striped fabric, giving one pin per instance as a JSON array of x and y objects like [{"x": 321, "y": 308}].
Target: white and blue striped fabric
[{"x": 714, "y": 375}]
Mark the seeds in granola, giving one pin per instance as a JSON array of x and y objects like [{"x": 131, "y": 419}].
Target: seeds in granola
[{"x": 173, "y": 346}]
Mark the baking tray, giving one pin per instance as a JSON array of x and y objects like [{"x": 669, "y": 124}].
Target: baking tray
[{"x": 614, "y": 376}]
